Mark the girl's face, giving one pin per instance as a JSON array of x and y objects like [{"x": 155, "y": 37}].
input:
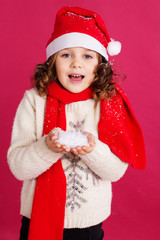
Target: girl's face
[{"x": 76, "y": 68}]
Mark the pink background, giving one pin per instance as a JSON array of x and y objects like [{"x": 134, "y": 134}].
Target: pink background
[{"x": 25, "y": 28}]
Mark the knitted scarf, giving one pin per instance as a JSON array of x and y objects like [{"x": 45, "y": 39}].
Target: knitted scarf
[{"x": 118, "y": 129}]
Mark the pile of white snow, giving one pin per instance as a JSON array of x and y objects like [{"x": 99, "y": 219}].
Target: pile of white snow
[{"x": 72, "y": 139}]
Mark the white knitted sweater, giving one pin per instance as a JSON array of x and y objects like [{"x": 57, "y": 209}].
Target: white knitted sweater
[{"x": 88, "y": 177}]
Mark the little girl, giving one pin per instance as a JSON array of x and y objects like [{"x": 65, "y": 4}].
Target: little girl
[{"x": 66, "y": 190}]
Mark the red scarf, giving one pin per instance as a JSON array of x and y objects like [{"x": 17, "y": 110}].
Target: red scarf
[{"x": 118, "y": 129}]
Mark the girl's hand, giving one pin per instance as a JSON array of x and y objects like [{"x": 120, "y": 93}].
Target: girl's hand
[
  {"x": 85, "y": 149},
  {"x": 55, "y": 146}
]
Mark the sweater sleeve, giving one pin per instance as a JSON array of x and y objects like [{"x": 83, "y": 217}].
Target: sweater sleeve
[
  {"x": 28, "y": 157},
  {"x": 105, "y": 163}
]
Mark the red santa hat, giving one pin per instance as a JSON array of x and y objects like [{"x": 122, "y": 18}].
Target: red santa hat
[{"x": 78, "y": 27}]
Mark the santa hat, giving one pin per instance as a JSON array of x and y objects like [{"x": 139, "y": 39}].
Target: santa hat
[{"x": 78, "y": 27}]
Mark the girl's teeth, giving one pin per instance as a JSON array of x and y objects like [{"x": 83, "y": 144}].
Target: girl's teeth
[{"x": 76, "y": 76}]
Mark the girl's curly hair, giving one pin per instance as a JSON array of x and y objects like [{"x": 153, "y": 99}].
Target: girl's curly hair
[{"x": 103, "y": 84}]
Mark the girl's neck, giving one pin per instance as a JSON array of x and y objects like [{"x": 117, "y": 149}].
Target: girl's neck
[{"x": 58, "y": 92}]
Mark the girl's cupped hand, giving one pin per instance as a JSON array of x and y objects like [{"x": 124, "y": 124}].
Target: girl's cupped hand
[
  {"x": 85, "y": 149},
  {"x": 55, "y": 146}
]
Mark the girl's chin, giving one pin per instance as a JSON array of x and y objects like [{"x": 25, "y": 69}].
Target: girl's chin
[{"x": 76, "y": 89}]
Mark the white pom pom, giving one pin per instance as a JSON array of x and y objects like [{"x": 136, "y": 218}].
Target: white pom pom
[{"x": 114, "y": 48}]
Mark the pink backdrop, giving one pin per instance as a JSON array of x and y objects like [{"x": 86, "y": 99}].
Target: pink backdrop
[{"x": 25, "y": 29}]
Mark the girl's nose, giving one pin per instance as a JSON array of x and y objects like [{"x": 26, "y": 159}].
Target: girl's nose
[{"x": 76, "y": 63}]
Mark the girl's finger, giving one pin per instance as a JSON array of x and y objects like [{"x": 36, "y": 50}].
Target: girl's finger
[
  {"x": 79, "y": 150},
  {"x": 91, "y": 144},
  {"x": 58, "y": 145},
  {"x": 65, "y": 148},
  {"x": 54, "y": 137},
  {"x": 91, "y": 138},
  {"x": 74, "y": 150}
]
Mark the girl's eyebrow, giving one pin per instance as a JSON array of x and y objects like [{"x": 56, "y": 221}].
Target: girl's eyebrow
[
  {"x": 67, "y": 49},
  {"x": 89, "y": 51},
  {"x": 85, "y": 51}
]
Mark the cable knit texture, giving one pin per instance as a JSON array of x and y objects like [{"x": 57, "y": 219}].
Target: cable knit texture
[{"x": 88, "y": 177}]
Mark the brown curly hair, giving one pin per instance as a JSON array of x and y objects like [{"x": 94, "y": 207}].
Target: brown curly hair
[{"x": 103, "y": 84}]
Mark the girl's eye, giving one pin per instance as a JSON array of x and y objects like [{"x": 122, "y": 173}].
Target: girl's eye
[
  {"x": 87, "y": 56},
  {"x": 66, "y": 55}
]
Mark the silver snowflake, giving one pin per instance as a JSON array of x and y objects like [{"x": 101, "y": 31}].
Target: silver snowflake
[{"x": 75, "y": 188}]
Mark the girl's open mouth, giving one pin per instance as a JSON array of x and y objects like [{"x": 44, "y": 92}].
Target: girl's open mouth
[{"x": 76, "y": 78}]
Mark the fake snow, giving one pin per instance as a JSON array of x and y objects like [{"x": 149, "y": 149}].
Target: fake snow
[{"x": 72, "y": 139}]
